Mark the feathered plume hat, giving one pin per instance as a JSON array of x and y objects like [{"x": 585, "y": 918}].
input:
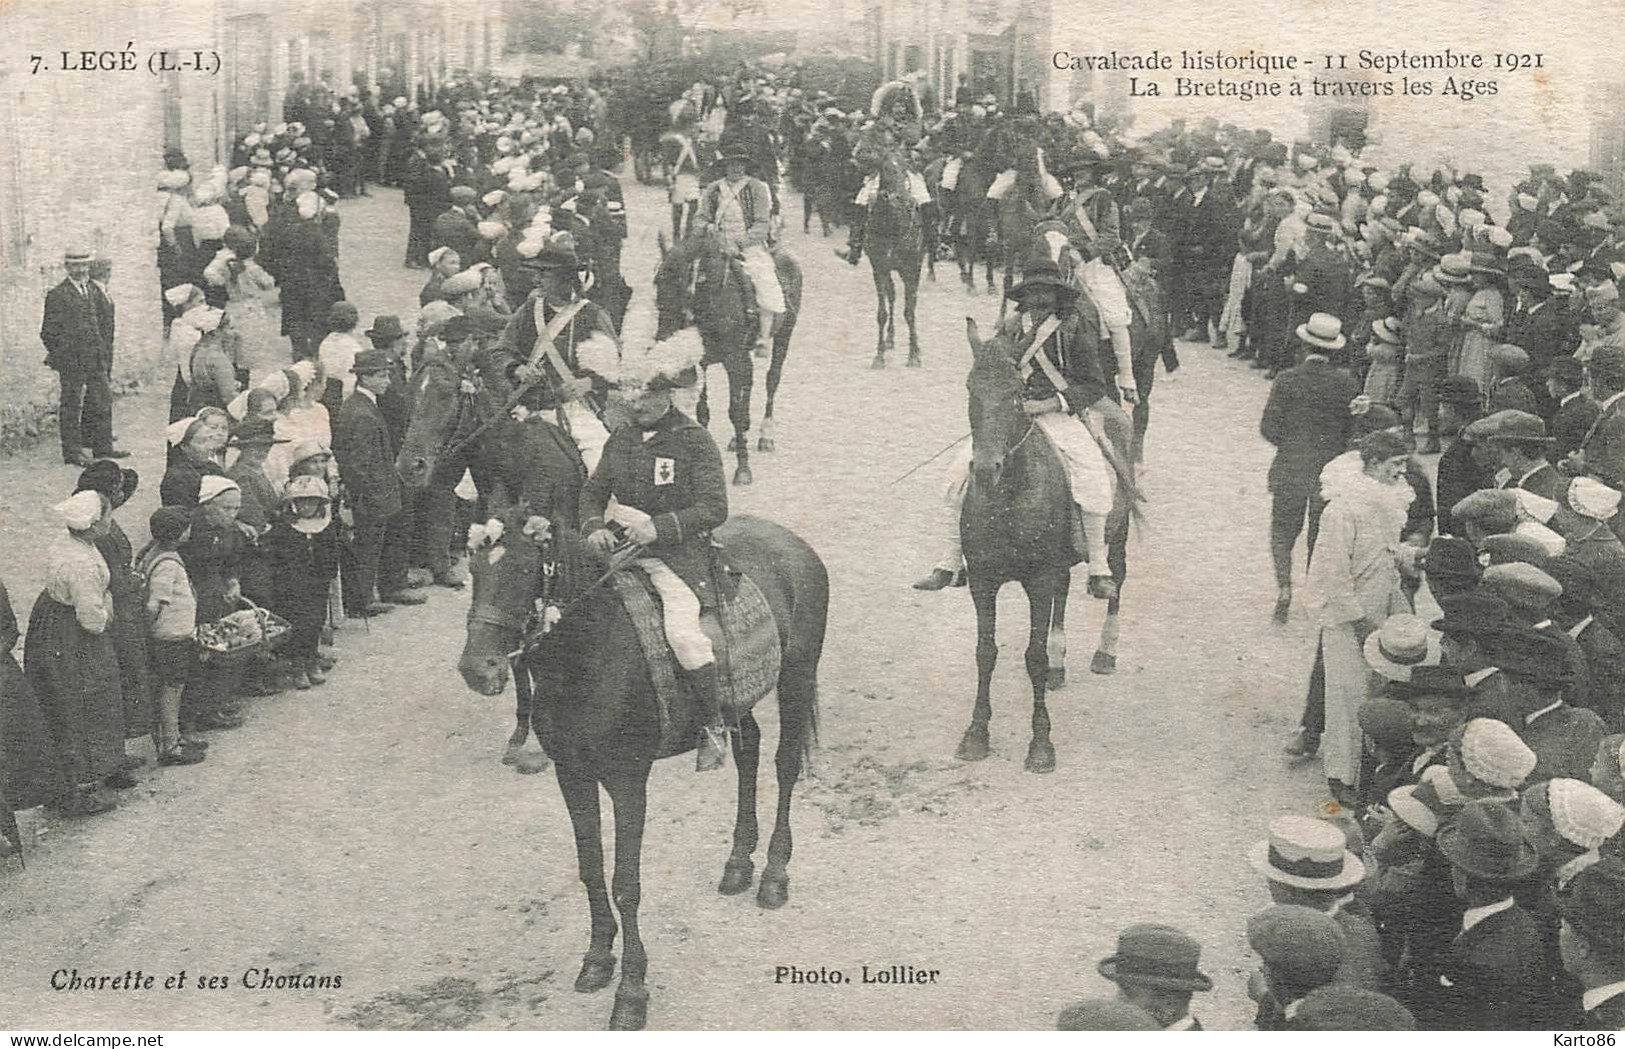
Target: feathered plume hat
[
  {"x": 669, "y": 364},
  {"x": 887, "y": 94}
]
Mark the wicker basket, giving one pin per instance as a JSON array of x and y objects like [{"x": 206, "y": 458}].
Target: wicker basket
[{"x": 272, "y": 629}]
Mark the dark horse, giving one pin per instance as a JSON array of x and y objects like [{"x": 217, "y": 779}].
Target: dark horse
[
  {"x": 1016, "y": 525},
  {"x": 596, "y": 700},
  {"x": 894, "y": 237},
  {"x": 700, "y": 284},
  {"x": 460, "y": 421}
]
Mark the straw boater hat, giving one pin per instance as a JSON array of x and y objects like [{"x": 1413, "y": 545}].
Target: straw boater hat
[
  {"x": 1403, "y": 642},
  {"x": 1307, "y": 853},
  {"x": 1322, "y": 330}
]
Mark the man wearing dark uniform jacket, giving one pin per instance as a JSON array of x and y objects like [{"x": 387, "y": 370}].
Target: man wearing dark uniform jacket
[
  {"x": 555, "y": 378},
  {"x": 665, "y": 474}
]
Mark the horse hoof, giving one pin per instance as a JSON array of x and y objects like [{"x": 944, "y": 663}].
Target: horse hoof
[
  {"x": 914, "y": 359},
  {"x": 1103, "y": 663},
  {"x": 879, "y": 362},
  {"x": 736, "y": 877},
  {"x": 631, "y": 1012},
  {"x": 1055, "y": 680},
  {"x": 733, "y": 443},
  {"x": 743, "y": 476},
  {"x": 531, "y": 762},
  {"x": 774, "y": 892},
  {"x": 764, "y": 444},
  {"x": 595, "y": 974},
  {"x": 1040, "y": 757},
  {"x": 973, "y": 745},
  {"x": 510, "y": 753}
]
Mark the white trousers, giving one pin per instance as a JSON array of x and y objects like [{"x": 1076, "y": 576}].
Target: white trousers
[
  {"x": 758, "y": 264},
  {"x": 1093, "y": 487},
  {"x": 681, "y": 610},
  {"x": 1105, "y": 287},
  {"x": 587, "y": 432}
]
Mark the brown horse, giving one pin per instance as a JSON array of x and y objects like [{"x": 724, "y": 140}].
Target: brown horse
[
  {"x": 598, "y": 716},
  {"x": 894, "y": 237},
  {"x": 1016, "y": 526},
  {"x": 460, "y": 421},
  {"x": 700, "y": 284}
]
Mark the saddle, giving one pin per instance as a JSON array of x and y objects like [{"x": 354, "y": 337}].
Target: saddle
[{"x": 744, "y": 634}]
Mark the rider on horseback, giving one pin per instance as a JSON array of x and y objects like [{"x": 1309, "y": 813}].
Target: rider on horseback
[
  {"x": 1063, "y": 379},
  {"x": 665, "y": 474},
  {"x": 1090, "y": 217},
  {"x": 739, "y": 208},
  {"x": 539, "y": 347},
  {"x": 880, "y": 156}
]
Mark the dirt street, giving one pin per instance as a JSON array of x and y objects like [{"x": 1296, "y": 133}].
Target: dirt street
[{"x": 366, "y": 830}]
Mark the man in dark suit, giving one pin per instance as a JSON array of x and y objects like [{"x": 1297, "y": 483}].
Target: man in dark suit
[
  {"x": 1307, "y": 420},
  {"x": 1462, "y": 468},
  {"x": 1324, "y": 272},
  {"x": 1493, "y": 976},
  {"x": 77, "y": 331},
  {"x": 366, "y": 457},
  {"x": 1602, "y": 450},
  {"x": 1591, "y": 941},
  {"x": 1156, "y": 969},
  {"x": 1574, "y": 412},
  {"x": 1517, "y": 440}
]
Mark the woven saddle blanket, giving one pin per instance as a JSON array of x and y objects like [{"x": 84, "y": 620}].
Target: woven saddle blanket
[{"x": 744, "y": 635}]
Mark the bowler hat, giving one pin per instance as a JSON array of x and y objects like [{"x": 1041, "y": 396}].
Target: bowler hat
[
  {"x": 1159, "y": 956},
  {"x": 1488, "y": 840},
  {"x": 254, "y": 433},
  {"x": 370, "y": 362},
  {"x": 385, "y": 328}
]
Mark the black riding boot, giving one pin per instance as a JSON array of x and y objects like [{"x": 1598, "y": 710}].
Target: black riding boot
[
  {"x": 702, "y": 689},
  {"x": 854, "y": 240}
]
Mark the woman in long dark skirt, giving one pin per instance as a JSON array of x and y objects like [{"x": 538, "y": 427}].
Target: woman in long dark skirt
[
  {"x": 129, "y": 626},
  {"x": 28, "y": 775},
  {"x": 213, "y": 558},
  {"x": 70, "y": 660}
]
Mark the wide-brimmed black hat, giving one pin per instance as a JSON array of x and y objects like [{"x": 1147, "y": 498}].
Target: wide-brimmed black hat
[
  {"x": 1159, "y": 956},
  {"x": 1040, "y": 271},
  {"x": 732, "y": 148}
]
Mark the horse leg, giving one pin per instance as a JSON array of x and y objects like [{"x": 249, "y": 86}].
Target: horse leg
[
  {"x": 911, "y": 294},
  {"x": 1040, "y": 601},
  {"x": 775, "y": 372},
  {"x": 741, "y": 370},
  {"x": 629, "y": 791},
  {"x": 1105, "y": 660},
  {"x": 883, "y": 293},
  {"x": 580, "y": 790},
  {"x": 891, "y": 310},
  {"x": 973, "y": 746},
  {"x": 798, "y": 707},
  {"x": 740, "y": 869},
  {"x": 1057, "y": 632},
  {"x": 521, "y": 716}
]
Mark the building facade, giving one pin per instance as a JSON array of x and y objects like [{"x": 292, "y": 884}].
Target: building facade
[{"x": 79, "y": 150}]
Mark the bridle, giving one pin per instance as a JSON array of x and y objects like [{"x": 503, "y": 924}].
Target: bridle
[{"x": 537, "y": 622}]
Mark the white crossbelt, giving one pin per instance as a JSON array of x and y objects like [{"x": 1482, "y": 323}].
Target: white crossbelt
[
  {"x": 1035, "y": 356},
  {"x": 548, "y": 331}
]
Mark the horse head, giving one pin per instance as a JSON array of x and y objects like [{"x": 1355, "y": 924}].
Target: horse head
[
  {"x": 696, "y": 284},
  {"x": 997, "y": 421},
  {"x": 526, "y": 572},
  {"x": 445, "y": 410}
]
